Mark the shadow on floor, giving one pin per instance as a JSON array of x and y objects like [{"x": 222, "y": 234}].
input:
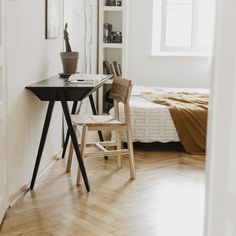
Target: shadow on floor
[{"x": 171, "y": 146}]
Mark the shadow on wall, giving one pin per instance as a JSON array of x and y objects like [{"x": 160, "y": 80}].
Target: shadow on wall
[
  {"x": 81, "y": 16},
  {"x": 25, "y": 122}
]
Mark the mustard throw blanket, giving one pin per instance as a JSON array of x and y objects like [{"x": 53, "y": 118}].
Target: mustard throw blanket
[{"x": 189, "y": 114}]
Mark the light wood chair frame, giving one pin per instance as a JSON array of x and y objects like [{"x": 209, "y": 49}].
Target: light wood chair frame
[{"x": 120, "y": 93}]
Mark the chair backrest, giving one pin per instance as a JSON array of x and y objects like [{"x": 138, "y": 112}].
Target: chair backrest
[{"x": 120, "y": 90}]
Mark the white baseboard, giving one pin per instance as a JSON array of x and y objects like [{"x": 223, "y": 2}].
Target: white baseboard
[
  {"x": 6, "y": 203},
  {"x": 3, "y": 207},
  {"x": 25, "y": 187}
]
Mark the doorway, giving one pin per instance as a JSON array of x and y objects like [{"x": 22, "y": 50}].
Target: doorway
[{"x": 3, "y": 160}]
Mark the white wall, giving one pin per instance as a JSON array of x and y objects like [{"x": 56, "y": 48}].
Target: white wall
[
  {"x": 30, "y": 58},
  {"x": 145, "y": 69},
  {"x": 81, "y": 16}
]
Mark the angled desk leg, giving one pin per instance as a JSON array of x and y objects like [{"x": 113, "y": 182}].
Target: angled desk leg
[
  {"x": 73, "y": 111},
  {"x": 95, "y": 113},
  {"x": 74, "y": 139},
  {"x": 74, "y": 107},
  {"x": 42, "y": 141}
]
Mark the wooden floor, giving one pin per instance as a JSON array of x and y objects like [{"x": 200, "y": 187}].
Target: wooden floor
[{"x": 166, "y": 199}]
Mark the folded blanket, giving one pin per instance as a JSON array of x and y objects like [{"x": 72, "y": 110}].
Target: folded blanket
[{"x": 189, "y": 114}]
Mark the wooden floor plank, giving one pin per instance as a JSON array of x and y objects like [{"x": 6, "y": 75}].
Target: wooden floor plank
[{"x": 166, "y": 199}]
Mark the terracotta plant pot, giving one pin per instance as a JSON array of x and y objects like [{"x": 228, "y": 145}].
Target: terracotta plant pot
[{"x": 69, "y": 62}]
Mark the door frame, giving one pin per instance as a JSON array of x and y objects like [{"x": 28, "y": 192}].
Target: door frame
[
  {"x": 220, "y": 207},
  {"x": 4, "y": 201}
]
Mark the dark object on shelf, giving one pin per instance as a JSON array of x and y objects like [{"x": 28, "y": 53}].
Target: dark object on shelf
[
  {"x": 113, "y": 71},
  {"x": 117, "y": 69},
  {"x": 119, "y": 3},
  {"x": 116, "y": 37},
  {"x": 112, "y": 3},
  {"x": 120, "y": 69},
  {"x": 106, "y": 68},
  {"x": 107, "y": 3},
  {"x": 107, "y": 33}
]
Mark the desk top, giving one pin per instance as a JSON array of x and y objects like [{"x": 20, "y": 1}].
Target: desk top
[
  {"x": 57, "y": 82},
  {"x": 73, "y": 91}
]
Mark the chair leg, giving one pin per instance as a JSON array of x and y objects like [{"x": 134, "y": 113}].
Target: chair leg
[
  {"x": 118, "y": 146},
  {"x": 70, "y": 157},
  {"x": 82, "y": 150},
  {"x": 131, "y": 153}
]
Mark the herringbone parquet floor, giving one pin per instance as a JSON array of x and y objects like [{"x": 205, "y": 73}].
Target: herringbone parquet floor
[{"x": 166, "y": 199}]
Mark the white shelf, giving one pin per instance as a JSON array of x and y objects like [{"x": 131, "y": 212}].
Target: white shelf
[
  {"x": 112, "y": 45},
  {"x": 111, "y": 8},
  {"x": 117, "y": 16}
]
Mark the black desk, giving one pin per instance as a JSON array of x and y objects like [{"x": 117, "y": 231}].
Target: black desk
[{"x": 57, "y": 89}]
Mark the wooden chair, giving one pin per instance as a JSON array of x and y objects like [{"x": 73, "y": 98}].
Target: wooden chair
[{"x": 120, "y": 93}]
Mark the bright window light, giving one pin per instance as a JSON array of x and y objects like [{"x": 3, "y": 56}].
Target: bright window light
[{"x": 182, "y": 26}]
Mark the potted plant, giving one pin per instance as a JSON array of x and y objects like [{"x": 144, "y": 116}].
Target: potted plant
[{"x": 69, "y": 58}]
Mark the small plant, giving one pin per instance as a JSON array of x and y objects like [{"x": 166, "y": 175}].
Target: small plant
[
  {"x": 66, "y": 38},
  {"x": 69, "y": 58}
]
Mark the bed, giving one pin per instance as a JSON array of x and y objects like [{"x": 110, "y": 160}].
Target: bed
[{"x": 152, "y": 122}]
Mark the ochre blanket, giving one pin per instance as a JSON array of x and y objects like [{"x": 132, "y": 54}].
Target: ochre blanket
[{"x": 189, "y": 114}]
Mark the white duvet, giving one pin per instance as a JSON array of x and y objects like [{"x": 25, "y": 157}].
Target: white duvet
[{"x": 152, "y": 122}]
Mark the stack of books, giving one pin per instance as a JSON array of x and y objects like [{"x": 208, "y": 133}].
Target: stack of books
[
  {"x": 91, "y": 79},
  {"x": 112, "y": 69}
]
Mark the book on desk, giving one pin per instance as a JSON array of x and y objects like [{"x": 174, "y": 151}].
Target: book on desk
[{"x": 91, "y": 79}]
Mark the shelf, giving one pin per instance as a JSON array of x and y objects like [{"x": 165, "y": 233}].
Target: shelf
[
  {"x": 116, "y": 16},
  {"x": 112, "y": 45},
  {"x": 110, "y": 8}
]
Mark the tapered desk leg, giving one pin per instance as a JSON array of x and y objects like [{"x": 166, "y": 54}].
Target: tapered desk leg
[
  {"x": 95, "y": 113},
  {"x": 73, "y": 112},
  {"x": 74, "y": 139},
  {"x": 74, "y": 107},
  {"x": 42, "y": 142}
]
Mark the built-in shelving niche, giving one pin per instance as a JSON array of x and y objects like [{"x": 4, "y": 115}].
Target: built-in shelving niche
[{"x": 112, "y": 52}]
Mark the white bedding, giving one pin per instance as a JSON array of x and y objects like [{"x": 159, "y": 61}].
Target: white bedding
[{"x": 152, "y": 122}]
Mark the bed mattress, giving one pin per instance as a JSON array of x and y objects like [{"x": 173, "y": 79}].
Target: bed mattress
[{"x": 152, "y": 122}]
